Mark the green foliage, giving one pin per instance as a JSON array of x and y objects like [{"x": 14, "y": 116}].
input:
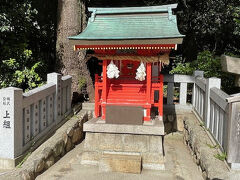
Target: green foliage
[
  {"x": 205, "y": 62},
  {"x": 234, "y": 34},
  {"x": 182, "y": 69},
  {"x": 21, "y": 75},
  {"x": 29, "y": 76},
  {"x": 213, "y": 146},
  {"x": 24, "y": 159},
  {"x": 81, "y": 82},
  {"x": 202, "y": 125},
  {"x": 236, "y": 16},
  {"x": 210, "y": 64},
  {"x": 208, "y": 25},
  {"x": 165, "y": 90},
  {"x": 221, "y": 156},
  {"x": 25, "y": 25}
]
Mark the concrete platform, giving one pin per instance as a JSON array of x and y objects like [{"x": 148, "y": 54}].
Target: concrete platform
[{"x": 153, "y": 127}]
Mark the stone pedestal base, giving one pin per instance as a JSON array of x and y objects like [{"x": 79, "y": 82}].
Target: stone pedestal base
[
  {"x": 121, "y": 162},
  {"x": 124, "y": 150}
]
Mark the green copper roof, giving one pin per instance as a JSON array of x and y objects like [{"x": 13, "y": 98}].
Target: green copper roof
[{"x": 156, "y": 22}]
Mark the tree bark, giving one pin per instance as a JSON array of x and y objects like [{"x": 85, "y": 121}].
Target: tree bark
[{"x": 71, "y": 21}]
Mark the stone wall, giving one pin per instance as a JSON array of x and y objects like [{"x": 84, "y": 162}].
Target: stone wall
[
  {"x": 203, "y": 150},
  {"x": 64, "y": 139}
]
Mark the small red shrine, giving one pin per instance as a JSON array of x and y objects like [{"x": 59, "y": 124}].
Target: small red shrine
[{"x": 133, "y": 44}]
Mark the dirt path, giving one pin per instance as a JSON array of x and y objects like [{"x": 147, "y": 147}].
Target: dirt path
[{"x": 179, "y": 165}]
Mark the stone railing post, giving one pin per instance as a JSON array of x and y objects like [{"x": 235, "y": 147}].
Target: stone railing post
[
  {"x": 11, "y": 126},
  {"x": 211, "y": 82},
  {"x": 56, "y": 79},
  {"x": 233, "y": 132},
  {"x": 69, "y": 96},
  {"x": 67, "y": 99},
  {"x": 196, "y": 73}
]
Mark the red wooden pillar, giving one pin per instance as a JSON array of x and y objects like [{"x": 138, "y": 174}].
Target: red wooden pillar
[
  {"x": 96, "y": 96},
  {"x": 104, "y": 89},
  {"x": 149, "y": 88},
  {"x": 160, "y": 101}
]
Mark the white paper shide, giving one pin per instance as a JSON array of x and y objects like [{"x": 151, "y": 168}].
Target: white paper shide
[
  {"x": 112, "y": 71},
  {"x": 141, "y": 72}
]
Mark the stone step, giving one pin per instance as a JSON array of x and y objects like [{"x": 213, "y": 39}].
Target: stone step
[
  {"x": 120, "y": 162},
  {"x": 154, "y": 127}
]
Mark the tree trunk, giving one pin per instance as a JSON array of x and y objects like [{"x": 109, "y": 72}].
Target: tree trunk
[{"x": 71, "y": 21}]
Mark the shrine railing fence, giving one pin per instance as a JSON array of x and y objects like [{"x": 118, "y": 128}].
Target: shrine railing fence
[
  {"x": 218, "y": 111},
  {"x": 178, "y": 91},
  {"x": 27, "y": 117}
]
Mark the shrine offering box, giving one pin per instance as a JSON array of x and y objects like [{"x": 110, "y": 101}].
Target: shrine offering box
[{"x": 124, "y": 115}]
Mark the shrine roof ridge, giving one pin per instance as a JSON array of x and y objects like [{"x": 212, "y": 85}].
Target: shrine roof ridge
[{"x": 126, "y": 10}]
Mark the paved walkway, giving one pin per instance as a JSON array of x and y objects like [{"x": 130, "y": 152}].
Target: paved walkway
[{"x": 179, "y": 165}]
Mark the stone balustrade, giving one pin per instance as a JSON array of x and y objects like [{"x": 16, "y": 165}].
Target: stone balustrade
[
  {"x": 217, "y": 111},
  {"x": 27, "y": 117}
]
